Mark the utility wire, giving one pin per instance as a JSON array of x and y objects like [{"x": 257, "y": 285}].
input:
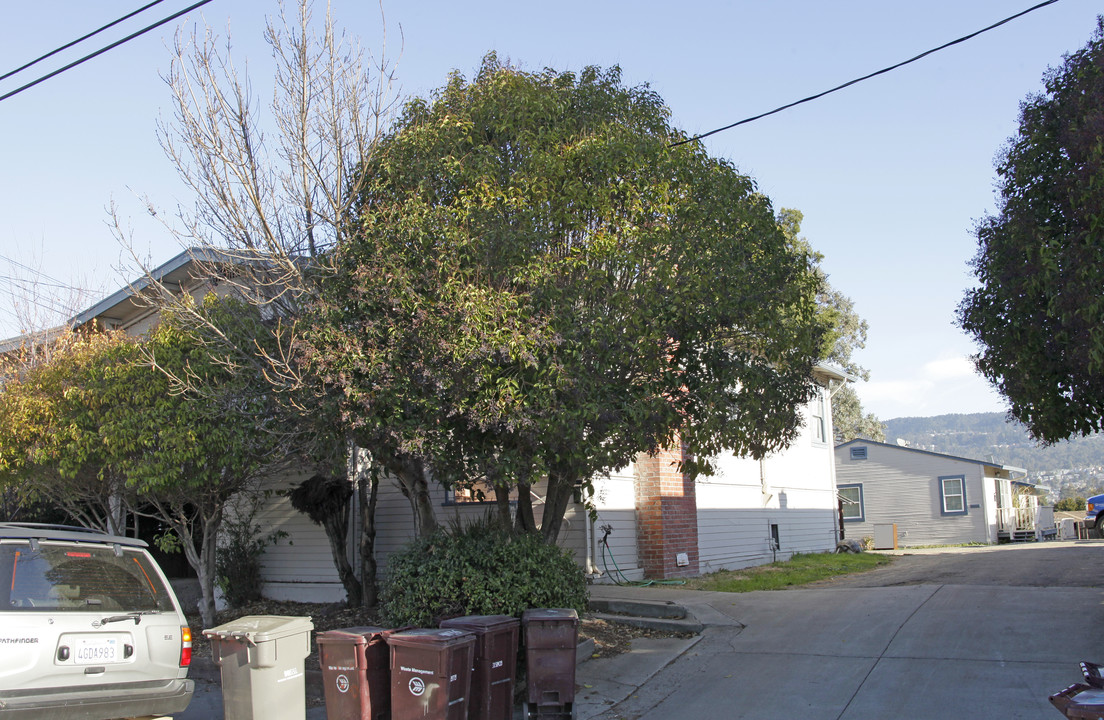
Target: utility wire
[
  {"x": 883, "y": 71},
  {"x": 102, "y": 50},
  {"x": 30, "y": 269},
  {"x": 50, "y": 54}
]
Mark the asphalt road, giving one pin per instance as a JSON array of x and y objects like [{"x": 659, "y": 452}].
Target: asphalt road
[
  {"x": 978, "y": 632},
  {"x": 1074, "y": 563}
]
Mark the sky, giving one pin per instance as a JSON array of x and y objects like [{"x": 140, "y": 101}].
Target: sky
[{"x": 891, "y": 174}]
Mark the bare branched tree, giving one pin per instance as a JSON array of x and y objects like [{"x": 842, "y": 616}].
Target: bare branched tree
[
  {"x": 39, "y": 306},
  {"x": 274, "y": 186}
]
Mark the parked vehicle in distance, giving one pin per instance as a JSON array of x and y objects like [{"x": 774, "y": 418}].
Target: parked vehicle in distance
[
  {"x": 89, "y": 627},
  {"x": 1094, "y": 514}
]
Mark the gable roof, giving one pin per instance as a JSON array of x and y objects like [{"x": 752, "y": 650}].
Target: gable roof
[
  {"x": 1010, "y": 469},
  {"x": 126, "y": 304}
]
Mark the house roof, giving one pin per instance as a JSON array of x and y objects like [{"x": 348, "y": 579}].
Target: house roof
[
  {"x": 1010, "y": 469},
  {"x": 42, "y": 336},
  {"x": 126, "y": 304},
  {"x": 830, "y": 372}
]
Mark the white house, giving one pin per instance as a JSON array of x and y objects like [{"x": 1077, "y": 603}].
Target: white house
[
  {"x": 651, "y": 520},
  {"x": 932, "y": 498}
]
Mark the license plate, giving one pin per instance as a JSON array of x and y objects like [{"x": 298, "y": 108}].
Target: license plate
[{"x": 96, "y": 651}]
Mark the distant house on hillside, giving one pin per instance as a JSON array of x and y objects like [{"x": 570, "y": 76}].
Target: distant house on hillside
[{"x": 934, "y": 499}]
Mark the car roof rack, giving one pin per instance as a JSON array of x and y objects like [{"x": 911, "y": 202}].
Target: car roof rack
[
  {"x": 54, "y": 526},
  {"x": 70, "y": 533}
]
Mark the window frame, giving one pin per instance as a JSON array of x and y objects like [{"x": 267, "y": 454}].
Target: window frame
[
  {"x": 943, "y": 495},
  {"x": 818, "y": 411},
  {"x": 861, "y": 501}
]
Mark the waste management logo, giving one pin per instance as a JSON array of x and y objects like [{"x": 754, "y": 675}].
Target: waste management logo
[
  {"x": 417, "y": 686},
  {"x": 342, "y": 684}
]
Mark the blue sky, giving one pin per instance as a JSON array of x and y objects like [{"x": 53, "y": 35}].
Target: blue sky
[{"x": 890, "y": 174}]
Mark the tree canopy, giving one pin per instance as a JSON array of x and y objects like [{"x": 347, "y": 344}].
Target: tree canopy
[
  {"x": 1038, "y": 313},
  {"x": 541, "y": 283},
  {"x": 110, "y": 420}
]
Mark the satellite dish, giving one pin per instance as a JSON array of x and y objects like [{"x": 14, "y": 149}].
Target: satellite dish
[{"x": 902, "y": 442}]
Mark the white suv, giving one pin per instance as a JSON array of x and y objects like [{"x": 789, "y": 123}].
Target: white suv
[{"x": 89, "y": 628}]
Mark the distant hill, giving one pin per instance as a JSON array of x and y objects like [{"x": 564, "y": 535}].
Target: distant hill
[{"x": 1072, "y": 467}]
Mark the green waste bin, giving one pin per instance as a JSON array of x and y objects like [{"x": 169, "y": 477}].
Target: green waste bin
[
  {"x": 260, "y": 659},
  {"x": 356, "y": 673},
  {"x": 430, "y": 673},
  {"x": 494, "y": 666},
  {"x": 551, "y": 637}
]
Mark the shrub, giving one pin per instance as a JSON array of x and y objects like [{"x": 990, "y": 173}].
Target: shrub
[
  {"x": 238, "y": 555},
  {"x": 478, "y": 570}
]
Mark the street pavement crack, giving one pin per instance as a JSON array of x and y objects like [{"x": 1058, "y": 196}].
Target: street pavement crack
[{"x": 881, "y": 655}]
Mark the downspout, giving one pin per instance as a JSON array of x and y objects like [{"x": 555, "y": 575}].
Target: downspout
[{"x": 591, "y": 568}]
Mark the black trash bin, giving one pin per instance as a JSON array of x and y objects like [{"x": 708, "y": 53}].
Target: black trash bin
[
  {"x": 494, "y": 667},
  {"x": 430, "y": 673},
  {"x": 356, "y": 673},
  {"x": 551, "y": 636}
]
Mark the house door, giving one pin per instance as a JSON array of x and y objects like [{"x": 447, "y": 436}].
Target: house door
[{"x": 1006, "y": 505}]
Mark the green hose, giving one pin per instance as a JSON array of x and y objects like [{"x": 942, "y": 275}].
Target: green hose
[{"x": 624, "y": 580}]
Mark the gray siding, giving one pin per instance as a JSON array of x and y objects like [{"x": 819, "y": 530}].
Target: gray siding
[
  {"x": 300, "y": 566},
  {"x": 737, "y": 538},
  {"x": 901, "y": 486}
]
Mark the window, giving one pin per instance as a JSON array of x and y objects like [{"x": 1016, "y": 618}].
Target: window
[
  {"x": 72, "y": 578},
  {"x": 477, "y": 492},
  {"x": 852, "y": 498},
  {"x": 820, "y": 431},
  {"x": 953, "y": 493},
  {"x": 858, "y": 453}
]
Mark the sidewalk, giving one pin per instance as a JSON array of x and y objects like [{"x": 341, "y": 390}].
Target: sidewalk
[{"x": 600, "y": 683}]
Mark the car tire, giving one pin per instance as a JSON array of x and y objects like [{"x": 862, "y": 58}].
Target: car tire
[{"x": 1100, "y": 526}]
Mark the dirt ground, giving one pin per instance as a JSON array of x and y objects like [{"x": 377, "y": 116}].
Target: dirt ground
[{"x": 1073, "y": 563}]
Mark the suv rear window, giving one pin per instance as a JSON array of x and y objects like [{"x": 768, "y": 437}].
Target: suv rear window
[{"x": 76, "y": 577}]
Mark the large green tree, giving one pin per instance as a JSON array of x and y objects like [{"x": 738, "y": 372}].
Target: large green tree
[
  {"x": 1038, "y": 311},
  {"x": 544, "y": 284}
]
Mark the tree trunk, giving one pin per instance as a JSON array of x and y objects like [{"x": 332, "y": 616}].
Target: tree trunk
[
  {"x": 337, "y": 532},
  {"x": 368, "y": 494},
  {"x": 202, "y": 562},
  {"x": 560, "y": 488},
  {"x": 526, "y": 520},
  {"x": 502, "y": 502},
  {"x": 411, "y": 475}
]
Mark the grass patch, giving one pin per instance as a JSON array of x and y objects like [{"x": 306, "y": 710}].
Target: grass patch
[{"x": 799, "y": 570}]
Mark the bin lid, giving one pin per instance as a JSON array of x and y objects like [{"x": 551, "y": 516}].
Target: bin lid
[
  {"x": 438, "y": 637},
  {"x": 261, "y": 628},
  {"x": 539, "y": 614},
  {"x": 480, "y": 624},
  {"x": 351, "y": 636}
]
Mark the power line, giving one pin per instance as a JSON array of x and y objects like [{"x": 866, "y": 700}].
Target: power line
[
  {"x": 81, "y": 39},
  {"x": 102, "y": 50},
  {"x": 883, "y": 71},
  {"x": 30, "y": 269}
]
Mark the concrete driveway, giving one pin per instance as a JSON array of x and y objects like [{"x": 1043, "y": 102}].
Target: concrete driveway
[{"x": 948, "y": 636}]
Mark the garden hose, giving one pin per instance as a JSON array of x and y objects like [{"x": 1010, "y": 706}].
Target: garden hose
[{"x": 606, "y": 530}]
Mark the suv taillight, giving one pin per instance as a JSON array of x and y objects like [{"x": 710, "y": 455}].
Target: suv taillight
[{"x": 185, "y": 646}]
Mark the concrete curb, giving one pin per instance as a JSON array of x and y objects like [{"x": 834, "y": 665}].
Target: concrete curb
[{"x": 662, "y": 616}]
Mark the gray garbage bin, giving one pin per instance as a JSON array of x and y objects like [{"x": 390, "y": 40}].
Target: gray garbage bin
[{"x": 260, "y": 658}]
